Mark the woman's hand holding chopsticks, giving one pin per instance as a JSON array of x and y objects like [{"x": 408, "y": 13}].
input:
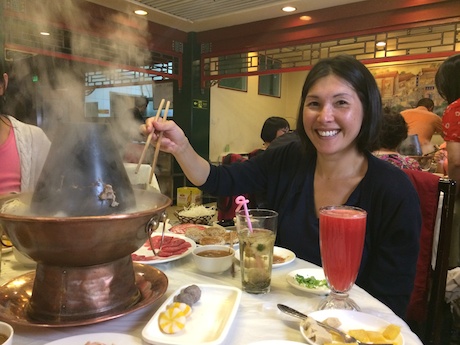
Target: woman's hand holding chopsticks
[{"x": 171, "y": 138}]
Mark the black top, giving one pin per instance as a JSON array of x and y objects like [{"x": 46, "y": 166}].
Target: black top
[{"x": 393, "y": 225}]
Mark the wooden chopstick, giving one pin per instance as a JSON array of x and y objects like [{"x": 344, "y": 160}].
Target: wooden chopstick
[
  {"x": 149, "y": 138},
  {"x": 157, "y": 147}
]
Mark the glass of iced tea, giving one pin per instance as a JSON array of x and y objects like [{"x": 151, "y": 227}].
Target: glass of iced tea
[
  {"x": 256, "y": 235},
  {"x": 341, "y": 236}
]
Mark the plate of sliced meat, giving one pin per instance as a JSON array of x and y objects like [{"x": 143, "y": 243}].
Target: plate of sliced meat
[{"x": 174, "y": 247}]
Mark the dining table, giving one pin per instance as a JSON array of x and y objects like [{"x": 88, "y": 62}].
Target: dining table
[{"x": 257, "y": 318}]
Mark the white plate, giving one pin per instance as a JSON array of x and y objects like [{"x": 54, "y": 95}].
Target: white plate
[
  {"x": 209, "y": 322},
  {"x": 318, "y": 273},
  {"x": 284, "y": 253},
  {"x": 288, "y": 256},
  {"x": 147, "y": 256},
  {"x": 352, "y": 320},
  {"x": 105, "y": 338},
  {"x": 181, "y": 228}
]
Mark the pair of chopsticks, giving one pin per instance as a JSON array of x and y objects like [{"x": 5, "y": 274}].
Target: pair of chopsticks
[{"x": 149, "y": 139}]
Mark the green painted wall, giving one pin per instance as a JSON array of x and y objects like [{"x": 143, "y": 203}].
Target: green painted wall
[{"x": 192, "y": 107}]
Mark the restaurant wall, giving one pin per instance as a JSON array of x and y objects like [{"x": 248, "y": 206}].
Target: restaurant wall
[{"x": 237, "y": 117}]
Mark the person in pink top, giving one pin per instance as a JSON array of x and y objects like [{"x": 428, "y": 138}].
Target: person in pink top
[
  {"x": 392, "y": 133},
  {"x": 448, "y": 84},
  {"x": 23, "y": 148},
  {"x": 423, "y": 122}
]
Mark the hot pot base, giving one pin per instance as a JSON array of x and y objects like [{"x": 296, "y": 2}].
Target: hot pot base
[
  {"x": 15, "y": 298},
  {"x": 82, "y": 292}
]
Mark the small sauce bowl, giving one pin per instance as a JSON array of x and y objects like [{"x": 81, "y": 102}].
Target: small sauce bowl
[
  {"x": 6, "y": 333},
  {"x": 213, "y": 258}
]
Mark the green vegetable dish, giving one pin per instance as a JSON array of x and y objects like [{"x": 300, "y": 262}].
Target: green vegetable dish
[{"x": 310, "y": 282}]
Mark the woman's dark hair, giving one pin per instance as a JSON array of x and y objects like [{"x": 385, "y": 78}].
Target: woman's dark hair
[
  {"x": 363, "y": 82},
  {"x": 271, "y": 126},
  {"x": 3, "y": 69},
  {"x": 394, "y": 129},
  {"x": 447, "y": 79}
]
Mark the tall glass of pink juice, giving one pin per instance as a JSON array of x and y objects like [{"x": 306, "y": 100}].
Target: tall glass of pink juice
[{"x": 341, "y": 237}]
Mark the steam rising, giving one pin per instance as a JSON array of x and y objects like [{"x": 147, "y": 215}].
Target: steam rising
[{"x": 84, "y": 39}]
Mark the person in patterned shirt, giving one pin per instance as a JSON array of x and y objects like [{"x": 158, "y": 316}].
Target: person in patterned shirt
[
  {"x": 447, "y": 82},
  {"x": 393, "y": 132}
]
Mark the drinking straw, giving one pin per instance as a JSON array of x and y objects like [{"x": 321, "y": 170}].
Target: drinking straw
[{"x": 241, "y": 201}]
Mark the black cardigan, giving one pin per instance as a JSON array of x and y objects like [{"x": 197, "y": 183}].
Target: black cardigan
[{"x": 285, "y": 175}]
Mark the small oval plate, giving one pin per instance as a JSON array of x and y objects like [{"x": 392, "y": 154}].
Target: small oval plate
[{"x": 318, "y": 273}]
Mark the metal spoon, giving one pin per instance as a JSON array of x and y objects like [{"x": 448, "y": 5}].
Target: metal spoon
[{"x": 345, "y": 337}]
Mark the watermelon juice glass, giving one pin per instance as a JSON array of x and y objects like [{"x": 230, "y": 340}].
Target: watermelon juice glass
[{"x": 341, "y": 236}]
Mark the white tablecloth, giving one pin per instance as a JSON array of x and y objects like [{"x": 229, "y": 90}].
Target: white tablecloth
[{"x": 257, "y": 319}]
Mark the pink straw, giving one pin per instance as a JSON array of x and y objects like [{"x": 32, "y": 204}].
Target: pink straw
[{"x": 241, "y": 201}]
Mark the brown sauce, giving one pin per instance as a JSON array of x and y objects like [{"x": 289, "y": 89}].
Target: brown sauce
[
  {"x": 214, "y": 253},
  {"x": 278, "y": 259},
  {"x": 3, "y": 338}
]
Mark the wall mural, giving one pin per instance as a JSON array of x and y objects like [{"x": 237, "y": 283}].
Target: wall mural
[{"x": 401, "y": 86}]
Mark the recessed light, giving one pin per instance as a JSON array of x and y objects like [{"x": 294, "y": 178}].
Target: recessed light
[
  {"x": 289, "y": 9},
  {"x": 44, "y": 33},
  {"x": 141, "y": 12},
  {"x": 305, "y": 18}
]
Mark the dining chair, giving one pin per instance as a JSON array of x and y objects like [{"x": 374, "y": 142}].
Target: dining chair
[{"x": 427, "y": 310}]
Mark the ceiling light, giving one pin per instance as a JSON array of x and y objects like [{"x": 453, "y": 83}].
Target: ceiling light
[
  {"x": 141, "y": 12},
  {"x": 381, "y": 44},
  {"x": 44, "y": 33},
  {"x": 305, "y": 18},
  {"x": 289, "y": 9}
]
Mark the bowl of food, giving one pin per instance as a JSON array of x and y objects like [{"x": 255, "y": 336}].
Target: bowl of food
[
  {"x": 196, "y": 214},
  {"x": 213, "y": 258},
  {"x": 6, "y": 333}
]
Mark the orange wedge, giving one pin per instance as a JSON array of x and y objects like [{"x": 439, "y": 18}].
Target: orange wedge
[
  {"x": 185, "y": 308},
  {"x": 172, "y": 320}
]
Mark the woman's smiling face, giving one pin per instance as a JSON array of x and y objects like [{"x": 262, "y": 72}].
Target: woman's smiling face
[{"x": 332, "y": 115}]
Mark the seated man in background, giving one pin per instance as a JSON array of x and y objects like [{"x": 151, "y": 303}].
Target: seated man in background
[
  {"x": 423, "y": 122},
  {"x": 23, "y": 148},
  {"x": 392, "y": 134}
]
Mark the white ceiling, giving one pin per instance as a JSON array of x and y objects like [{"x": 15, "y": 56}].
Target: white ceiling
[{"x": 201, "y": 15}]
